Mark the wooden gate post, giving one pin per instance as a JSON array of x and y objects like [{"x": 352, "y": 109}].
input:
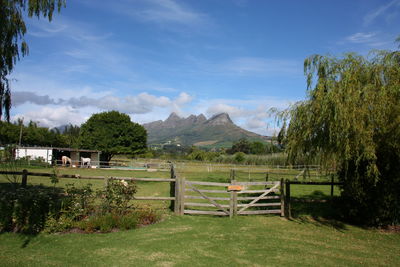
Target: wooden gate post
[
  {"x": 172, "y": 190},
  {"x": 282, "y": 192},
  {"x": 24, "y": 178},
  {"x": 233, "y": 201},
  {"x": 177, "y": 195},
  {"x": 288, "y": 209},
  {"x": 182, "y": 196}
]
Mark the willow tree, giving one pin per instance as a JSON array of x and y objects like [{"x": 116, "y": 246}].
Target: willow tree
[
  {"x": 12, "y": 43},
  {"x": 351, "y": 117}
]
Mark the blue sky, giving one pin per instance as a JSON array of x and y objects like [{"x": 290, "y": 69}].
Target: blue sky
[{"x": 149, "y": 58}]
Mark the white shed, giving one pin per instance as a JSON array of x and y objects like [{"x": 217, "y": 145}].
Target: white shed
[{"x": 32, "y": 153}]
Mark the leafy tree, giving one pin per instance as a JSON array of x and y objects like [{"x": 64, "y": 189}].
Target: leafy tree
[
  {"x": 352, "y": 117},
  {"x": 113, "y": 133},
  {"x": 71, "y": 134},
  {"x": 243, "y": 145},
  {"x": 12, "y": 43},
  {"x": 281, "y": 135},
  {"x": 257, "y": 148}
]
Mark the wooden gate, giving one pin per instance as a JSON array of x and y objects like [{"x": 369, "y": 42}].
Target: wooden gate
[{"x": 230, "y": 199}]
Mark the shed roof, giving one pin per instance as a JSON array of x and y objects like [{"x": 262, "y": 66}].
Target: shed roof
[{"x": 61, "y": 148}]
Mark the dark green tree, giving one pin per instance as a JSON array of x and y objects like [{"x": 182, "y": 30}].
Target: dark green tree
[
  {"x": 281, "y": 135},
  {"x": 243, "y": 145},
  {"x": 352, "y": 118},
  {"x": 257, "y": 148},
  {"x": 113, "y": 133},
  {"x": 12, "y": 43}
]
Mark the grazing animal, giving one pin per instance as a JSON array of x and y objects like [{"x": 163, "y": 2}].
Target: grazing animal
[
  {"x": 85, "y": 161},
  {"x": 65, "y": 160}
]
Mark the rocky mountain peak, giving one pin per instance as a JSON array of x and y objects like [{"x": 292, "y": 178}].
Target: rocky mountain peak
[{"x": 220, "y": 119}]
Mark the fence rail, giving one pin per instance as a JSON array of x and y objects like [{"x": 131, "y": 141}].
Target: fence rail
[{"x": 180, "y": 189}]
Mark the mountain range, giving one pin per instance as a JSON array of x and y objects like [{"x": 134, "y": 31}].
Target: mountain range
[{"x": 198, "y": 130}]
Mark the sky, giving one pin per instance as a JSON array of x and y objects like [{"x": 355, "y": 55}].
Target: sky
[{"x": 148, "y": 58}]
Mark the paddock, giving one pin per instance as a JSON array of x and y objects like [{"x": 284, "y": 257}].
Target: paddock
[{"x": 53, "y": 155}]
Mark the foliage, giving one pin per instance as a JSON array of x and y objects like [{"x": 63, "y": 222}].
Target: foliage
[
  {"x": 31, "y": 135},
  {"x": 352, "y": 118},
  {"x": 12, "y": 42},
  {"x": 26, "y": 209},
  {"x": 113, "y": 133},
  {"x": 116, "y": 195},
  {"x": 239, "y": 157}
]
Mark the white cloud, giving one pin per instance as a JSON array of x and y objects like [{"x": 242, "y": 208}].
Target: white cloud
[
  {"x": 385, "y": 10},
  {"x": 162, "y": 11},
  {"x": 233, "y": 111},
  {"x": 52, "y": 116},
  {"x": 254, "y": 65},
  {"x": 360, "y": 37}
]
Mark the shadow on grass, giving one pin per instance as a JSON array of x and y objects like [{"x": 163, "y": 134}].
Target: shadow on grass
[
  {"x": 24, "y": 210},
  {"x": 318, "y": 209}
]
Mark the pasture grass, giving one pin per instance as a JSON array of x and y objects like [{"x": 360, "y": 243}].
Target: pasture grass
[
  {"x": 313, "y": 237},
  {"x": 210, "y": 241}
]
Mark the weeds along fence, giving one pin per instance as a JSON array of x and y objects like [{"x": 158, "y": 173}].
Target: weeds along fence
[{"x": 233, "y": 197}]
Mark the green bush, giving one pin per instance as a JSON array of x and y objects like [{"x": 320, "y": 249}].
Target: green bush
[{"x": 26, "y": 209}]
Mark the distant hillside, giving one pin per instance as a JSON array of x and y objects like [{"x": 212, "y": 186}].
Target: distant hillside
[{"x": 197, "y": 130}]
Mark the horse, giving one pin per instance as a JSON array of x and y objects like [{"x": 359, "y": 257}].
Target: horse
[
  {"x": 65, "y": 160},
  {"x": 85, "y": 161}
]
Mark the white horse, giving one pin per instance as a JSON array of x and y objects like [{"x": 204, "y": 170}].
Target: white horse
[
  {"x": 65, "y": 160},
  {"x": 85, "y": 161}
]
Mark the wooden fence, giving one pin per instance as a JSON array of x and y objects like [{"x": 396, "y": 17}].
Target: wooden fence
[
  {"x": 212, "y": 198},
  {"x": 287, "y": 193}
]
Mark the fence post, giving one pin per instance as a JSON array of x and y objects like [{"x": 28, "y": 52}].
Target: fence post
[
  {"x": 106, "y": 182},
  {"x": 172, "y": 189},
  {"x": 182, "y": 196},
  {"x": 24, "y": 178},
  {"x": 282, "y": 192},
  {"x": 266, "y": 179},
  {"x": 288, "y": 209},
  {"x": 332, "y": 179},
  {"x": 177, "y": 195}
]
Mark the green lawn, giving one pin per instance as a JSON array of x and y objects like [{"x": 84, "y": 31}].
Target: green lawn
[
  {"x": 312, "y": 238},
  {"x": 212, "y": 241}
]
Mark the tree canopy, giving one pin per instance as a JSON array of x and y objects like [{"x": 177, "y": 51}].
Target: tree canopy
[
  {"x": 12, "y": 43},
  {"x": 113, "y": 133},
  {"x": 352, "y": 118}
]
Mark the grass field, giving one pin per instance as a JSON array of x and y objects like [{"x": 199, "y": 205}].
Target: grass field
[
  {"x": 212, "y": 241},
  {"x": 312, "y": 238}
]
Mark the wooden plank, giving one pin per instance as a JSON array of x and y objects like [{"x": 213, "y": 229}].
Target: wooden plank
[
  {"x": 205, "y": 212},
  {"x": 207, "y": 191},
  {"x": 282, "y": 195},
  {"x": 315, "y": 183},
  {"x": 182, "y": 187},
  {"x": 77, "y": 176},
  {"x": 211, "y": 200},
  {"x": 250, "y": 198},
  {"x": 154, "y": 198},
  {"x": 257, "y": 191},
  {"x": 262, "y": 204},
  {"x": 253, "y": 212},
  {"x": 258, "y": 183},
  {"x": 177, "y": 199},
  {"x": 257, "y": 199},
  {"x": 24, "y": 178},
  {"x": 287, "y": 199},
  {"x": 206, "y": 183},
  {"x": 197, "y": 204}
]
